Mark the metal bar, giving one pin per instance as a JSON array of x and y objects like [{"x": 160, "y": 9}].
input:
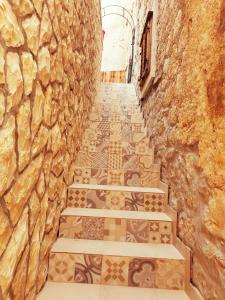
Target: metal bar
[{"x": 123, "y": 9}]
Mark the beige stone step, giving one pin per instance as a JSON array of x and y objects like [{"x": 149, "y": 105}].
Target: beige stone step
[
  {"x": 76, "y": 291},
  {"x": 114, "y": 225},
  {"x": 117, "y": 263},
  {"x": 116, "y": 197}
]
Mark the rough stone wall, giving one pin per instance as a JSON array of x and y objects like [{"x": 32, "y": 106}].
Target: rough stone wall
[
  {"x": 185, "y": 115},
  {"x": 50, "y": 52}
]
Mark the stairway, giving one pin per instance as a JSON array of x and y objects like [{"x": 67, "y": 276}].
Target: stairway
[{"x": 117, "y": 236}]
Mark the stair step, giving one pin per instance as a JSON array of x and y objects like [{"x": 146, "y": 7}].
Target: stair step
[
  {"x": 116, "y": 197},
  {"x": 117, "y": 177},
  {"x": 161, "y": 251},
  {"x": 71, "y": 291},
  {"x": 110, "y": 225},
  {"x": 117, "y": 263}
]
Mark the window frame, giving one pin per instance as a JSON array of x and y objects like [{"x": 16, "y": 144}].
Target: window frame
[{"x": 146, "y": 50}]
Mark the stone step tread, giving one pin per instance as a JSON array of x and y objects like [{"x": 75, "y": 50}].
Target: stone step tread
[
  {"x": 71, "y": 291},
  {"x": 116, "y": 188},
  {"x": 117, "y": 214},
  {"x": 123, "y": 249}
]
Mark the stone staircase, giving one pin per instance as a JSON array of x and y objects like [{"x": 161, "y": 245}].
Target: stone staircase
[{"x": 117, "y": 236}]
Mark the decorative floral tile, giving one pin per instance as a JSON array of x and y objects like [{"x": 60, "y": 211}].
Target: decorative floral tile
[
  {"x": 115, "y": 147},
  {"x": 149, "y": 179},
  {"x": 128, "y": 148},
  {"x": 82, "y": 176},
  {"x": 102, "y": 144},
  {"x": 137, "y": 231},
  {"x": 115, "y": 200},
  {"x": 88, "y": 269},
  {"x": 160, "y": 232},
  {"x": 154, "y": 202},
  {"x": 115, "y": 127},
  {"x": 145, "y": 162},
  {"x": 142, "y": 273},
  {"x": 114, "y": 161},
  {"x": 96, "y": 198},
  {"x": 84, "y": 160},
  {"x": 142, "y": 148},
  {"x": 115, "y": 177},
  {"x": 88, "y": 145},
  {"x": 61, "y": 267},
  {"x": 99, "y": 160},
  {"x": 134, "y": 202},
  {"x": 115, "y": 271},
  {"x": 130, "y": 162},
  {"x": 137, "y": 128},
  {"x": 103, "y": 127},
  {"x": 115, "y": 118},
  {"x": 170, "y": 274},
  {"x": 126, "y": 132},
  {"x": 77, "y": 198},
  {"x": 70, "y": 227},
  {"x": 138, "y": 136},
  {"x": 115, "y": 229},
  {"x": 92, "y": 228},
  {"x": 99, "y": 176},
  {"x": 132, "y": 178}
]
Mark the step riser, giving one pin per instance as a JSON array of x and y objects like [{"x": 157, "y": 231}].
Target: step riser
[
  {"x": 115, "y": 229},
  {"x": 114, "y": 270},
  {"x": 117, "y": 177},
  {"x": 116, "y": 200},
  {"x": 95, "y": 156}
]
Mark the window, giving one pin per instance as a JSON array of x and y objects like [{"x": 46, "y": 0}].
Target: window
[{"x": 146, "y": 49}]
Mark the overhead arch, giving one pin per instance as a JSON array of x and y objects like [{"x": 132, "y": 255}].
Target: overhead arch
[{"x": 124, "y": 13}]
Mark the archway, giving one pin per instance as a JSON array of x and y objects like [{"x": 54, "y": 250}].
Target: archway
[{"x": 124, "y": 13}]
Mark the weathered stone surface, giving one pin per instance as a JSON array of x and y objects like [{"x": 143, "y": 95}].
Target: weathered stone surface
[
  {"x": 34, "y": 257},
  {"x": 22, "y": 7},
  {"x": 37, "y": 111},
  {"x": 40, "y": 80},
  {"x": 22, "y": 189},
  {"x": 9, "y": 27},
  {"x": 7, "y": 154},
  {"x": 41, "y": 185},
  {"x": 48, "y": 107},
  {"x": 38, "y": 6},
  {"x": 29, "y": 72},
  {"x": 44, "y": 65},
  {"x": 214, "y": 219},
  {"x": 19, "y": 281},
  {"x": 42, "y": 273},
  {"x": 34, "y": 209},
  {"x": 14, "y": 80},
  {"x": 187, "y": 99},
  {"x": 24, "y": 134},
  {"x": 46, "y": 27},
  {"x": 13, "y": 252},
  {"x": 5, "y": 231},
  {"x": 40, "y": 141},
  {"x": 2, "y": 106},
  {"x": 2, "y": 64},
  {"x": 31, "y": 27}
]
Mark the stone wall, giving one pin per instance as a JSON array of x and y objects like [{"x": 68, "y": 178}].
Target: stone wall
[
  {"x": 185, "y": 115},
  {"x": 49, "y": 68}
]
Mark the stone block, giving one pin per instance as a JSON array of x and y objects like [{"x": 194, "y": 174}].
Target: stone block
[
  {"x": 29, "y": 72},
  {"x": 31, "y": 27}
]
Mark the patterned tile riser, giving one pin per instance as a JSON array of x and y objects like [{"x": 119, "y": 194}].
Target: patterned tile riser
[
  {"x": 114, "y": 270},
  {"x": 116, "y": 200},
  {"x": 115, "y": 229},
  {"x": 105, "y": 176}
]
